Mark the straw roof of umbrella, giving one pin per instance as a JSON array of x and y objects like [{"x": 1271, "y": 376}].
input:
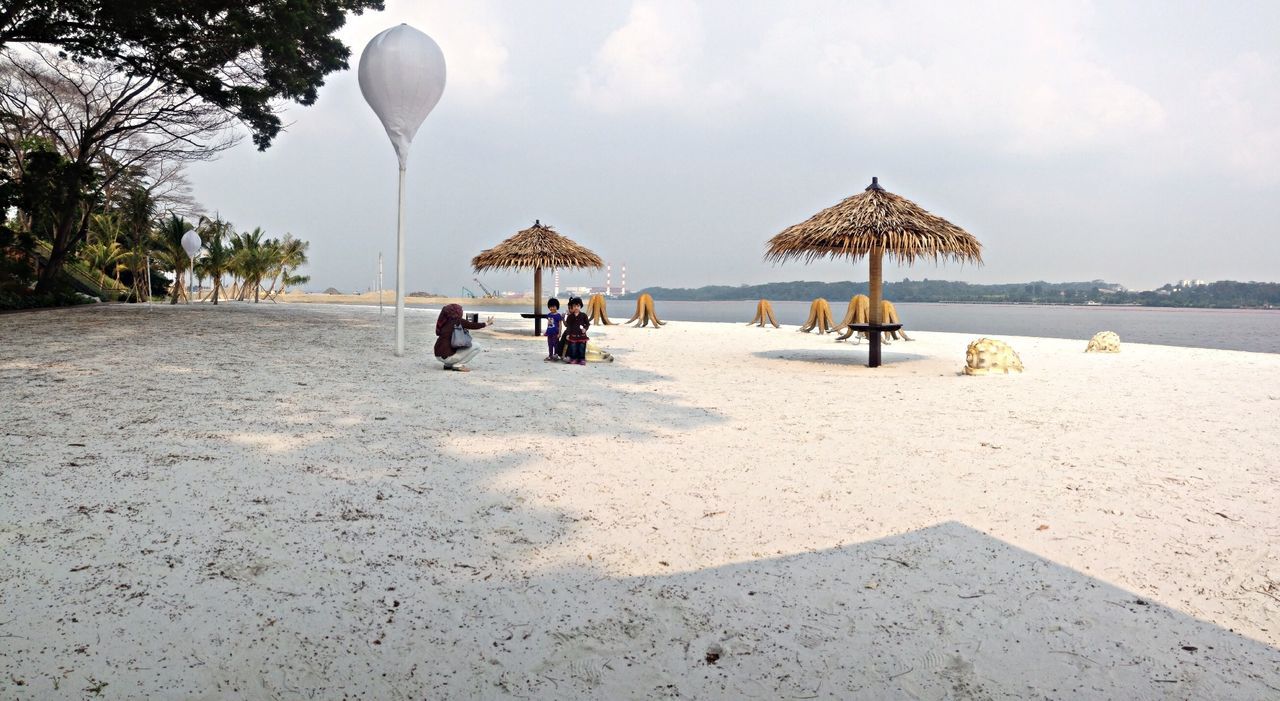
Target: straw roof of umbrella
[
  {"x": 870, "y": 219},
  {"x": 539, "y": 246}
]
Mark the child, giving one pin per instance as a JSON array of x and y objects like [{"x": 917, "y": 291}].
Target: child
[
  {"x": 554, "y": 317},
  {"x": 575, "y": 329}
]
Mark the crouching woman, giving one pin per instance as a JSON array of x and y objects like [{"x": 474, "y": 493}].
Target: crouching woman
[{"x": 454, "y": 346}]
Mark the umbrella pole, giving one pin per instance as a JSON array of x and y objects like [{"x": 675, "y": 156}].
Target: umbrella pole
[
  {"x": 537, "y": 301},
  {"x": 400, "y": 268},
  {"x": 873, "y": 314}
]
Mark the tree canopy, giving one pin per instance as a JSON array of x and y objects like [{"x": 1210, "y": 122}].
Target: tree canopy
[{"x": 240, "y": 55}]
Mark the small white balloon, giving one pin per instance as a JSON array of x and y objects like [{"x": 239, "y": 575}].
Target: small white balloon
[
  {"x": 402, "y": 77},
  {"x": 191, "y": 244}
]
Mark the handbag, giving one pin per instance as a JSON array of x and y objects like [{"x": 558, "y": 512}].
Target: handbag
[{"x": 461, "y": 337}]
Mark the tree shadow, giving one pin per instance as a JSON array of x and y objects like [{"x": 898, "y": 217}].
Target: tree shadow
[{"x": 945, "y": 612}]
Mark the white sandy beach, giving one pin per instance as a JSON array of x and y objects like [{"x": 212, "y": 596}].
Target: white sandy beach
[{"x": 260, "y": 501}]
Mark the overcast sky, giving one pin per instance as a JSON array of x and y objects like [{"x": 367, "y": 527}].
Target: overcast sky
[{"x": 1137, "y": 142}]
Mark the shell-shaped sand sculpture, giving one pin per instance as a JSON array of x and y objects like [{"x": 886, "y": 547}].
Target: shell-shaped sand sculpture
[
  {"x": 987, "y": 356},
  {"x": 859, "y": 312},
  {"x": 764, "y": 313},
  {"x": 1104, "y": 342},
  {"x": 644, "y": 312},
  {"x": 819, "y": 317},
  {"x": 596, "y": 310}
]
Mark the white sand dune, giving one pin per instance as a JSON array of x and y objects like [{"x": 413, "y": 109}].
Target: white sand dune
[{"x": 262, "y": 502}]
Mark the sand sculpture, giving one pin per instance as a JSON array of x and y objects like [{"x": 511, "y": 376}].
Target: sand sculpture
[
  {"x": 764, "y": 313},
  {"x": 987, "y": 356},
  {"x": 859, "y": 313},
  {"x": 819, "y": 317},
  {"x": 597, "y": 312},
  {"x": 644, "y": 312},
  {"x": 1104, "y": 342}
]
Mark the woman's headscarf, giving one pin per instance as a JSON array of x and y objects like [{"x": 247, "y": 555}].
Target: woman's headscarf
[{"x": 450, "y": 314}]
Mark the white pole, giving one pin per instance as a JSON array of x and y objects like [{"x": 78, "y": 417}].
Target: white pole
[
  {"x": 379, "y": 283},
  {"x": 624, "y": 279},
  {"x": 191, "y": 281},
  {"x": 400, "y": 270},
  {"x": 608, "y": 281}
]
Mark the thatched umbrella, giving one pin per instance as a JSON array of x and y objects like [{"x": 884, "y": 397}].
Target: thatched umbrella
[
  {"x": 537, "y": 247},
  {"x": 873, "y": 223}
]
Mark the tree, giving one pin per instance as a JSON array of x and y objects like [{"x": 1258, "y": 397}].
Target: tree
[
  {"x": 253, "y": 256},
  {"x": 239, "y": 55},
  {"x": 103, "y": 252},
  {"x": 106, "y": 125},
  {"x": 170, "y": 251},
  {"x": 291, "y": 254},
  {"x": 217, "y": 259}
]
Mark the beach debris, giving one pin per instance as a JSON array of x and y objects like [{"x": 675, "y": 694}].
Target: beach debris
[
  {"x": 714, "y": 653},
  {"x": 819, "y": 317},
  {"x": 859, "y": 312},
  {"x": 596, "y": 354},
  {"x": 764, "y": 313},
  {"x": 1042, "y": 527},
  {"x": 645, "y": 313},
  {"x": 988, "y": 356},
  {"x": 596, "y": 310},
  {"x": 1104, "y": 342}
]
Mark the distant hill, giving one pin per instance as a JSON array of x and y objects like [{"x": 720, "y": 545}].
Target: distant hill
[{"x": 1226, "y": 294}]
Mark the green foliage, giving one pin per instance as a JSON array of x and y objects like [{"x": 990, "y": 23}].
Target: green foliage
[
  {"x": 279, "y": 50},
  {"x": 26, "y": 299}
]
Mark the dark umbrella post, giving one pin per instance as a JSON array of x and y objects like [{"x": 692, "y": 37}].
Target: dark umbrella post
[{"x": 873, "y": 223}]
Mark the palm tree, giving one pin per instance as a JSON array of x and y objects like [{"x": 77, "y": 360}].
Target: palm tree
[
  {"x": 292, "y": 254},
  {"x": 137, "y": 220},
  {"x": 217, "y": 259},
  {"x": 103, "y": 251},
  {"x": 170, "y": 251},
  {"x": 252, "y": 259}
]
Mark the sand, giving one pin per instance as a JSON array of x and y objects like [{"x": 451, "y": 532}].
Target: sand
[{"x": 262, "y": 502}]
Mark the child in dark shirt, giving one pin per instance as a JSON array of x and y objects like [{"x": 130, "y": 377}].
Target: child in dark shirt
[
  {"x": 575, "y": 329},
  {"x": 554, "y": 317}
]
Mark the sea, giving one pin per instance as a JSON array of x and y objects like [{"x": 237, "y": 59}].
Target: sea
[{"x": 1256, "y": 330}]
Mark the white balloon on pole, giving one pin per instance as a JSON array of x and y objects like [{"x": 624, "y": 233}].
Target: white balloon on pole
[
  {"x": 191, "y": 243},
  {"x": 402, "y": 77}
]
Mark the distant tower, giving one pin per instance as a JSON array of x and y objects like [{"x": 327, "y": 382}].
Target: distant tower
[
  {"x": 608, "y": 281},
  {"x": 624, "y": 279},
  {"x": 557, "y": 285}
]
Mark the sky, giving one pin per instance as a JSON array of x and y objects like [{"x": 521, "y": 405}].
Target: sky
[{"x": 1135, "y": 142}]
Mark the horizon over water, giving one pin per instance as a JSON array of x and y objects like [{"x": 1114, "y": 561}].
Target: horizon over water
[{"x": 1256, "y": 330}]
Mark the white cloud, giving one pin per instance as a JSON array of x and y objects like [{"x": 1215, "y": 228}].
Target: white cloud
[
  {"x": 472, "y": 36},
  {"x": 1025, "y": 76},
  {"x": 655, "y": 60},
  {"x": 1240, "y": 122}
]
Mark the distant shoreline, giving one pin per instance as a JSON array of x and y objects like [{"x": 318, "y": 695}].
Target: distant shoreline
[{"x": 389, "y": 298}]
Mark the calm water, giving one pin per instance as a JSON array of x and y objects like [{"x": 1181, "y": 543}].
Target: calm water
[{"x": 1233, "y": 329}]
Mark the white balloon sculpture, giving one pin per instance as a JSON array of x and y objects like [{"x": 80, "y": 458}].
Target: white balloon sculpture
[
  {"x": 191, "y": 244},
  {"x": 402, "y": 77}
]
